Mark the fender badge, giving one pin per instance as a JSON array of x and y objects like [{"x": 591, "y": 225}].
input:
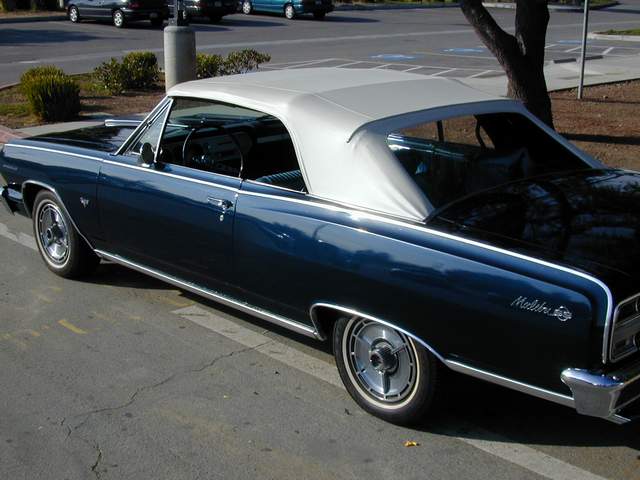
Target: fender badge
[
  {"x": 562, "y": 313},
  {"x": 84, "y": 201}
]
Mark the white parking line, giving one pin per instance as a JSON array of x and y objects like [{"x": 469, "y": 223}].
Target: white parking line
[
  {"x": 312, "y": 62},
  {"x": 608, "y": 50},
  {"x": 574, "y": 49},
  {"x": 349, "y": 64},
  {"x": 443, "y": 72},
  {"x": 21, "y": 238},
  {"x": 479, "y": 74},
  {"x": 518, "y": 454}
]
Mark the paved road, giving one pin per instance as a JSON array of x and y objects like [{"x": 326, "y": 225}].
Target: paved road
[
  {"x": 123, "y": 377},
  {"x": 439, "y": 40}
]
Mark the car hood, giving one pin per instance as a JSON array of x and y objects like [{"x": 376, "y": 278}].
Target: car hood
[
  {"x": 588, "y": 219},
  {"x": 102, "y": 138}
]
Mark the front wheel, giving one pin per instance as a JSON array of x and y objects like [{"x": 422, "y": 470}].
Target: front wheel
[
  {"x": 247, "y": 7},
  {"x": 118, "y": 19},
  {"x": 384, "y": 370},
  {"x": 289, "y": 12},
  {"x": 62, "y": 248},
  {"x": 74, "y": 14}
]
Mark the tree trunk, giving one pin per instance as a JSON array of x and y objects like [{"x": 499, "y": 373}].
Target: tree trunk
[{"x": 520, "y": 55}]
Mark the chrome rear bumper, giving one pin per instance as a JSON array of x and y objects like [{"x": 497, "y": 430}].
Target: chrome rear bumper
[{"x": 605, "y": 396}]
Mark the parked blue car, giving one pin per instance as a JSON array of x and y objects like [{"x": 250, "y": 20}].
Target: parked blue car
[
  {"x": 416, "y": 223},
  {"x": 290, "y": 8}
]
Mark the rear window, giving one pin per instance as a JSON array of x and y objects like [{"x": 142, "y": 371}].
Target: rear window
[{"x": 453, "y": 158}]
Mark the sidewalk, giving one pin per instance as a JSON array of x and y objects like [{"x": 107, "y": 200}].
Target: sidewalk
[{"x": 561, "y": 76}]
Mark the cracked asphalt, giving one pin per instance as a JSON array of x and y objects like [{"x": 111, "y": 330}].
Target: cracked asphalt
[{"x": 101, "y": 378}]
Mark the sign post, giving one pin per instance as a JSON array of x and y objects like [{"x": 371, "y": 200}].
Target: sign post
[{"x": 583, "y": 53}]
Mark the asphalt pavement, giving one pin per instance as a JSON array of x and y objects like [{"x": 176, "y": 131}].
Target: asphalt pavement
[{"x": 120, "y": 376}]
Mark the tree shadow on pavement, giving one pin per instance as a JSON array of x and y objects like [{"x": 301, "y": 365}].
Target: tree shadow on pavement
[{"x": 16, "y": 36}]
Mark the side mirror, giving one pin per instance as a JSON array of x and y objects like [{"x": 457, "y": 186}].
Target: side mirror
[{"x": 147, "y": 155}]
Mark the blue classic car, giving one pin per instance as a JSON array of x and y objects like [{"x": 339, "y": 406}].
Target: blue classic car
[
  {"x": 290, "y": 8},
  {"x": 416, "y": 223}
]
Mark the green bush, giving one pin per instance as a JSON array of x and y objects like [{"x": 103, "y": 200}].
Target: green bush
[
  {"x": 208, "y": 65},
  {"x": 141, "y": 69},
  {"x": 244, "y": 61},
  {"x": 52, "y": 97},
  {"x": 138, "y": 70},
  {"x": 35, "y": 72},
  {"x": 111, "y": 76}
]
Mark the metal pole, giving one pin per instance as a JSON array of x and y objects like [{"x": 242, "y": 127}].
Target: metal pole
[{"x": 583, "y": 54}]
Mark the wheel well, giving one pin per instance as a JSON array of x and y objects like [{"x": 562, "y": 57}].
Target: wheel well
[
  {"x": 324, "y": 318},
  {"x": 29, "y": 192}
]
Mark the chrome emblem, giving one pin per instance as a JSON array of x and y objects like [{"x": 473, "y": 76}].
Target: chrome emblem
[
  {"x": 562, "y": 313},
  {"x": 84, "y": 201}
]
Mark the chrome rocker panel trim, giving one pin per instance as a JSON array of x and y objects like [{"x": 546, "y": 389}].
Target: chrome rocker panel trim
[{"x": 230, "y": 302}]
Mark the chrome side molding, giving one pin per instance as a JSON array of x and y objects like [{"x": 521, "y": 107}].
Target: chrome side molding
[{"x": 217, "y": 297}]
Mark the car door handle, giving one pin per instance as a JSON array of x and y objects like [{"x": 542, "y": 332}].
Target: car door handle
[{"x": 221, "y": 203}]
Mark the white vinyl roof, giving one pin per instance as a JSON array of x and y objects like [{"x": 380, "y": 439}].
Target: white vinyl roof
[{"x": 333, "y": 116}]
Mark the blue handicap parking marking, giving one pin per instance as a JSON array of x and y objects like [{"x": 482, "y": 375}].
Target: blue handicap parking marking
[
  {"x": 393, "y": 57},
  {"x": 464, "y": 50}
]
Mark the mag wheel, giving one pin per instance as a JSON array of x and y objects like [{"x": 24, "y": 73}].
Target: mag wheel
[
  {"x": 246, "y": 7},
  {"x": 63, "y": 250},
  {"x": 118, "y": 18},
  {"x": 384, "y": 370},
  {"x": 74, "y": 14},
  {"x": 289, "y": 11}
]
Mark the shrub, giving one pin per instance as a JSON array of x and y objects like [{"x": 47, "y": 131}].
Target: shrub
[
  {"x": 137, "y": 70},
  {"x": 52, "y": 97},
  {"x": 141, "y": 69},
  {"x": 209, "y": 65},
  {"x": 45, "y": 70},
  {"x": 244, "y": 61},
  {"x": 111, "y": 76}
]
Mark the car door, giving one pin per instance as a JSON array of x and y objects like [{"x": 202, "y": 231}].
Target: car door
[
  {"x": 89, "y": 8},
  {"x": 167, "y": 201}
]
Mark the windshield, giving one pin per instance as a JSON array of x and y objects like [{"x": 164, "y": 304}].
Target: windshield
[{"x": 453, "y": 158}]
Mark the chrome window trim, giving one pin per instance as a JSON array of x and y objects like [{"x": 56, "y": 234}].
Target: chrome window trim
[
  {"x": 51, "y": 150},
  {"x": 152, "y": 115},
  {"x": 271, "y": 185},
  {"x": 223, "y": 299},
  {"x": 616, "y": 312},
  {"x": 57, "y": 195},
  {"x": 397, "y": 221},
  {"x": 455, "y": 365}
]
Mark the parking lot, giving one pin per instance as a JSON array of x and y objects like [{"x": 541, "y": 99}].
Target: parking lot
[{"x": 121, "y": 376}]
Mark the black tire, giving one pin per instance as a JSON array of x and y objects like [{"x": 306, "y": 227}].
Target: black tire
[
  {"x": 156, "y": 22},
  {"x": 215, "y": 18},
  {"x": 289, "y": 11},
  {"x": 74, "y": 14},
  {"x": 118, "y": 19},
  {"x": 247, "y": 8},
  {"x": 319, "y": 15},
  {"x": 73, "y": 258},
  {"x": 413, "y": 401}
]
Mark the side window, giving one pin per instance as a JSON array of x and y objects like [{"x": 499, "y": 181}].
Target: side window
[{"x": 230, "y": 140}]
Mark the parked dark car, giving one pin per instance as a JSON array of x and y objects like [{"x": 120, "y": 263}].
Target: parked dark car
[
  {"x": 213, "y": 10},
  {"x": 419, "y": 224},
  {"x": 120, "y": 12},
  {"x": 289, "y": 8}
]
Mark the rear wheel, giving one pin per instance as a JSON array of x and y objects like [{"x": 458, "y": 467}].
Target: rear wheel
[
  {"x": 62, "y": 248},
  {"x": 289, "y": 11},
  {"x": 118, "y": 19},
  {"x": 74, "y": 14},
  {"x": 247, "y": 8},
  {"x": 384, "y": 370}
]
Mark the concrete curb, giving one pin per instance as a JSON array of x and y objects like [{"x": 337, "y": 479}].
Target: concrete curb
[
  {"x": 28, "y": 19},
  {"x": 559, "y": 8},
  {"x": 604, "y": 36},
  {"x": 346, "y": 7}
]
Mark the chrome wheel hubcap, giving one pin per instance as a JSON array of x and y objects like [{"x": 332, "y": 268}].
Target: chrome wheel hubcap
[
  {"x": 246, "y": 7},
  {"x": 53, "y": 233},
  {"x": 117, "y": 18},
  {"x": 73, "y": 14},
  {"x": 381, "y": 360},
  {"x": 288, "y": 12}
]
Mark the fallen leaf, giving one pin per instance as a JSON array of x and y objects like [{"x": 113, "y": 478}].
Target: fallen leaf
[{"x": 411, "y": 443}]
